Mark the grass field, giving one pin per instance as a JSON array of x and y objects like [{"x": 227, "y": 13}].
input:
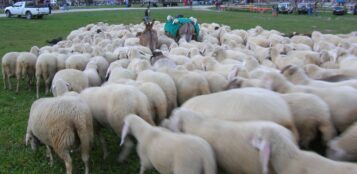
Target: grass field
[{"x": 20, "y": 34}]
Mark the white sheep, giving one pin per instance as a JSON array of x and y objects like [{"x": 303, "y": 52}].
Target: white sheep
[
  {"x": 61, "y": 123},
  {"x": 216, "y": 81},
  {"x": 343, "y": 113},
  {"x": 188, "y": 84},
  {"x": 35, "y": 50},
  {"x": 61, "y": 60},
  {"x": 169, "y": 152},
  {"x": 46, "y": 68},
  {"x": 8, "y": 64},
  {"x": 311, "y": 116},
  {"x": 118, "y": 74},
  {"x": 282, "y": 61},
  {"x": 166, "y": 83},
  {"x": 25, "y": 66},
  {"x": 77, "y": 61},
  {"x": 102, "y": 64},
  {"x": 237, "y": 105},
  {"x": 112, "y": 111},
  {"x": 297, "y": 76},
  {"x": 318, "y": 73},
  {"x": 69, "y": 80},
  {"x": 303, "y": 39},
  {"x": 285, "y": 157},
  {"x": 234, "y": 153},
  {"x": 92, "y": 73},
  {"x": 122, "y": 63},
  {"x": 156, "y": 96},
  {"x": 138, "y": 65}
]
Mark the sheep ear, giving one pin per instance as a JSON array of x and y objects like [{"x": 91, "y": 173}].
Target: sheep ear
[
  {"x": 203, "y": 51},
  {"x": 264, "y": 152},
  {"x": 124, "y": 132},
  {"x": 107, "y": 76},
  {"x": 233, "y": 73},
  {"x": 176, "y": 124},
  {"x": 69, "y": 86},
  {"x": 234, "y": 83}
]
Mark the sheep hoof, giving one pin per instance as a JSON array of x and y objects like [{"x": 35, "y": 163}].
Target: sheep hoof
[
  {"x": 105, "y": 156},
  {"x": 50, "y": 163},
  {"x": 121, "y": 160}
]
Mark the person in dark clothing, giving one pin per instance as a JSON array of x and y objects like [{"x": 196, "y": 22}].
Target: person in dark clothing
[
  {"x": 49, "y": 7},
  {"x": 147, "y": 14},
  {"x": 179, "y": 16}
]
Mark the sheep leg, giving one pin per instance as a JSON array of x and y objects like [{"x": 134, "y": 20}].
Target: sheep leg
[
  {"x": 47, "y": 81},
  {"x": 142, "y": 169},
  {"x": 64, "y": 155},
  {"x": 85, "y": 147},
  {"x": 38, "y": 87},
  {"x": 128, "y": 144},
  {"x": 144, "y": 161},
  {"x": 4, "y": 78},
  {"x": 8, "y": 81},
  {"x": 104, "y": 145},
  {"x": 18, "y": 84},
  {"x": 49, "y": 155},
  {"x": 29, "y": 83}
]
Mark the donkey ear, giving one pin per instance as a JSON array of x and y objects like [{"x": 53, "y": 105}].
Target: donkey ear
[
  {"x": 264, "y": 152},
  {"x": 124, "y": 132}
]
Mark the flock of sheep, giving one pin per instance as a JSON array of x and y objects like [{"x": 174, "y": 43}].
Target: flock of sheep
[{"x": 235, "y": 101}]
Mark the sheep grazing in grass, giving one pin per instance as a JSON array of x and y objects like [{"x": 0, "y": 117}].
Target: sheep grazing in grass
[
  {"x": 61, "y": 123},
  {"x": 118, "y": 70},
  {"x": 111, "y": 112},
  {"x": 8, "y": 67},
  {"x": 234, "y": 153},
  {"x": 46, "y": 68},
  {"x": 189, "y": 154},
  {"x": 285, "y": 157},
  {"x": 25, "y": 67},
  {"x": 69, "y": 80}
]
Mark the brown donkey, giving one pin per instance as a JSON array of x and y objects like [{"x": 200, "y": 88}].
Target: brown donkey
[{"x": 148, "y": 37}]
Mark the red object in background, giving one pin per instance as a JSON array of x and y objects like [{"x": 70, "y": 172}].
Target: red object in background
[{"x": 185, "y": 2}]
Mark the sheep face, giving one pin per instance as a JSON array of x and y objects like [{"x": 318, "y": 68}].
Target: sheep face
[{"x": 174, "y": 123}]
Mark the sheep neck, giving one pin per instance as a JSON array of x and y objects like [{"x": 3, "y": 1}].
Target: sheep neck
[
  {"x": 281, "y": 85},
  {"x": 299, "y": 78},
  {"x": 189, "y": 124},
  {"x": 139, "y": 129},
  {"x": 346, "y": 139}
]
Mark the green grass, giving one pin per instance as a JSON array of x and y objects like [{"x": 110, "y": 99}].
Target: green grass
[{"x": 20, "y": 34}]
